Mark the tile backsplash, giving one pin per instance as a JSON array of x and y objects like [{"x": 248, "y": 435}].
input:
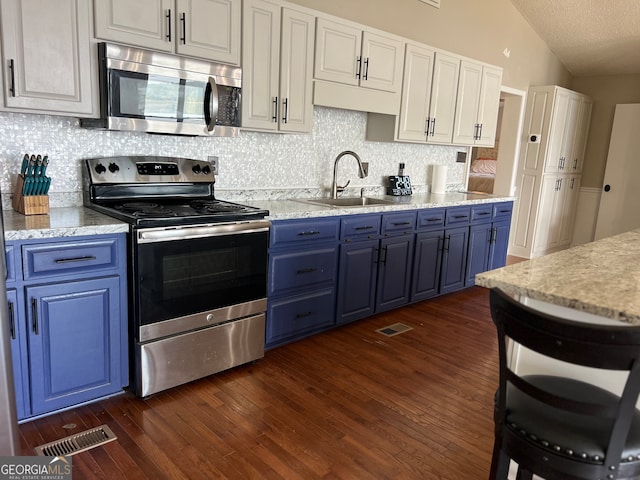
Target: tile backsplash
[{"x": 255, "y": 165}]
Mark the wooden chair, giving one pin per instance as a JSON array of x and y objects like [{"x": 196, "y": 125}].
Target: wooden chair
[{"x": 560, "y": 428}]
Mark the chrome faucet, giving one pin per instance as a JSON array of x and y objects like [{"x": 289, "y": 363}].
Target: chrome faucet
[{"x": 363, "y": 171}]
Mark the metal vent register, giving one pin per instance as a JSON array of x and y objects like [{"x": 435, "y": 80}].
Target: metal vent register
[
  {"x": 394, "y": 329},
  {"x": 77, "y": 443}
]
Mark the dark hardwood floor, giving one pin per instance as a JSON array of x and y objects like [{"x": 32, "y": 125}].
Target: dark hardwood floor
[{"x": 347, "y": 404}]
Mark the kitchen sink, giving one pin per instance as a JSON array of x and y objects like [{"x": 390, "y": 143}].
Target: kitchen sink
[{"x": 346, "y": 201}]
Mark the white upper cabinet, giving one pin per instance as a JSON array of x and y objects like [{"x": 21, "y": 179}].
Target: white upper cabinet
[
  {"x": 446, "y": 71},
  {"x": 277, "y": 68},
  {"x": 350, "y": 55},
  {"x": 47, "y": 56},
  {"x": 208, "y": 29},
  {"x": 478, "y": 103}
]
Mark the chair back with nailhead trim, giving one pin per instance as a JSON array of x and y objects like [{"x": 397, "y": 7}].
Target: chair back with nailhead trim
[{"x": 561, "y": 428}]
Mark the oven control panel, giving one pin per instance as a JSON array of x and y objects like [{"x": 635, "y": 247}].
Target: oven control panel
[{"x": 148, "y": 169}]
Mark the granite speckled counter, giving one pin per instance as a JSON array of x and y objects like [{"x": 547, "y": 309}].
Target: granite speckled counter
[
  {"x": 601, "y": 278},
  {"x": 287, "y": 209},
  {"x": 60, "y": 222}
]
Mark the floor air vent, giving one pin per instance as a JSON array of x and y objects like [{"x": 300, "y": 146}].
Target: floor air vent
[
  {"x": 394, "y": 329},
  {"x": 77, "y": 443}
]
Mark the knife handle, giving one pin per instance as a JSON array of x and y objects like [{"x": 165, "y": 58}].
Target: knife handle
[{"x": 25, "y": 164}]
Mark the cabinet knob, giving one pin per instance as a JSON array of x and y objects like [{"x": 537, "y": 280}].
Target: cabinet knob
[{"x": 607, "y": 188}]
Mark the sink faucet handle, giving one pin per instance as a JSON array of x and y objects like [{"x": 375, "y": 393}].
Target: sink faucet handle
[{"x": 342, "y": 188}]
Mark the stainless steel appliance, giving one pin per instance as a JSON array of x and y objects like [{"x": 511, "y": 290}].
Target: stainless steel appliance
[
  {"x": 197, "y": 272},
  {"x": 8, "y": 414},
  {"x": 147, "y": 91}
]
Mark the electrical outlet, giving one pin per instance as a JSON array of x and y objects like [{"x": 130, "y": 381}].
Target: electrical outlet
[{"x": 213, "y": 160}]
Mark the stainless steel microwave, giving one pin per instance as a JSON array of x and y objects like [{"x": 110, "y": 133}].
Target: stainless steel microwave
[{"x": 147, "y": 91}]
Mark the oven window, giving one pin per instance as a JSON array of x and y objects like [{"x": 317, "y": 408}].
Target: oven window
[{"x": 184, "y": 277}]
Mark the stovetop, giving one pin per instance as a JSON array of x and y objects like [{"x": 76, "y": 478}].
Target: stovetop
[{"x": 159, "y": 191}]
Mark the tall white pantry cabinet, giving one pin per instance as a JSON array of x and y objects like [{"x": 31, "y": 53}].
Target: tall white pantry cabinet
[{"x": 550, "y": 169}]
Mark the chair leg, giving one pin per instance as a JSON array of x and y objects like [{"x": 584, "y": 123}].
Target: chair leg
[
  {"x": 524, "y": 474},
  {"x": 499, "y": 464}
]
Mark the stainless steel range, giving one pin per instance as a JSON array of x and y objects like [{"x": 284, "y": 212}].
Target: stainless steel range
[{"x": 197, "y": 267}]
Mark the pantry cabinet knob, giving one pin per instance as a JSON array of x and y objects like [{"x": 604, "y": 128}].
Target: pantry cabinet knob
[{"x": 607, "y": 188}]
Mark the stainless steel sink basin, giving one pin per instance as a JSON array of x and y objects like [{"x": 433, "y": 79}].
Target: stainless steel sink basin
[{"x": 346, "y": 201}]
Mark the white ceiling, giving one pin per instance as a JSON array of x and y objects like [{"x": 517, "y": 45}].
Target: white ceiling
[{"x": 590, "y": 37}]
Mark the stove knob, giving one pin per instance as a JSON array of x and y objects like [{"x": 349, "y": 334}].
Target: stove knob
[
  {"x": 206, "y": 170},
  {"x": 196, "y": 169},
  {"x": 113, "y": 168},
  {"x": 100, "y": 168}
]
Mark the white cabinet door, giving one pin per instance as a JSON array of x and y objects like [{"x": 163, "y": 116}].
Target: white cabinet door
[
  {"x": 338, "y": 52},
  {"x": 209, "y": 29},
  {"x": 144, "y": 23},
  {"x": 570, "y": 190},
  {"x": 347, "y": 54},
  {"x": 547, "y": 229},
  {"x": 465, "y": 126},
  {"x": 416, "y": 93},
  {"x": 477, "y": 104},
  {"x": 489, "y": 106},
  {"x": 260, "y": 64},
  {"x": 381, "y": 63},
  {"x": 582, "y": 131},
  {"x": 296, "y": 71},
  {"x": 46, "y": 51},
  {"x": 446, "y": 71},
  {"x": 560, "y": 118}
]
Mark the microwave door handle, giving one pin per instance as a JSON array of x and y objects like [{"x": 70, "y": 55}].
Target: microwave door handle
[{"x": 211, "y": 104}]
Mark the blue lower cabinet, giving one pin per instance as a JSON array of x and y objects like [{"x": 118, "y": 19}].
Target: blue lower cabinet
[
  {"x": 480, "y": 237},
  {"x": 394, "y": 272},
  {"x": 427, "y": 265},
  {"x": 74, "y": 342},
  {"x": 298, "y": 316},
  {"x": 500, "y": 244},
  {"x": 18, "y": 353},
  {"x": 454, "y": 259},
  {"x": 357, "y": 280}
]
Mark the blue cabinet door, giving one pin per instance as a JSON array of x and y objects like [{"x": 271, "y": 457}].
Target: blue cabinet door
[
  {"x": 454, "y": 259},
  {"x": 357, "y": 280},
  {"x": 18, "y": 354},
  {"x": 500, "y": 244},
  {"x": 74, "y": 342},
  {"x": 480, "y": 237},
  {"x": 394, "y": 272},
  {"x": 427, "y": 265}
]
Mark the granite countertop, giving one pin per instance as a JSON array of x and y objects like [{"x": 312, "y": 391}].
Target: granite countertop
[
  {"x": 287, "y": 209},
  {"x": 73, "y": 221},
  {"x": 60, "y": 222},
  {"x": 601, "y": 278}
]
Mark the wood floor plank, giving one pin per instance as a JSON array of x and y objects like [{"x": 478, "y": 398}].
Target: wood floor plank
[{"x": 345, "y": 404}]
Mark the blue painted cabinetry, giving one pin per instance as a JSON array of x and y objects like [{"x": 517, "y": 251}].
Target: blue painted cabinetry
[
  {"x": 68, "y": 298},
  {"x": 303, "y": 258},
  {"x": 375, "y": 263}
]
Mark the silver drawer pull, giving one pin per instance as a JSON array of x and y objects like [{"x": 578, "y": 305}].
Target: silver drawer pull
[{"x": 75, "y": 259}]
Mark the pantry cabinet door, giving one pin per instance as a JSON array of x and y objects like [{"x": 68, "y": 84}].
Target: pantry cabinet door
[
  {"x": 209, "y": 29},
  {"x": 144, "y": 23},
  {"x": 46, "y": 50}
]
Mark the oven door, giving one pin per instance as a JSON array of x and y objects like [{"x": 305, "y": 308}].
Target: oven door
[{"x": 197, "y": 276}]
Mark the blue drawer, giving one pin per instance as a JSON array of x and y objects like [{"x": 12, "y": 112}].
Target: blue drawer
[
  {"x": 430, "y": 217},
  {"x": 502, "y": 210},
  {"x": 297, "y": 316},
  {"x": 354, "y": 227},
  {"x": 457, "y": 216},
  {"x": 66, "y": 258},
  {"x": 294, "y": 233},
  {"x": 398, "y": 223},
  {"x": 302, "y": 269},
  {"x": 481, "y": 213}
]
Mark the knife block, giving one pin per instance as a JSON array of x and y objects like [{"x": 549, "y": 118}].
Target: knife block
[{"x": 31, "y": 204}]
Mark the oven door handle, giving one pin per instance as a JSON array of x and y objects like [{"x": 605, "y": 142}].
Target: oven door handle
[
  {"x": 211, "y": 104},
  {"x": 151, "y": 235}
]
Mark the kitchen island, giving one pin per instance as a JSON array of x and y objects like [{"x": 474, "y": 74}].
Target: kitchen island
[{"x": 601, "y": 278}]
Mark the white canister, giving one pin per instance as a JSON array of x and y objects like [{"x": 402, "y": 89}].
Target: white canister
[{"x": 439, "y": 179}]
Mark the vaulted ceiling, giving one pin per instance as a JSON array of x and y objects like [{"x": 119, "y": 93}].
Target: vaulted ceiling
[{"x": 590, "y": 37}]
